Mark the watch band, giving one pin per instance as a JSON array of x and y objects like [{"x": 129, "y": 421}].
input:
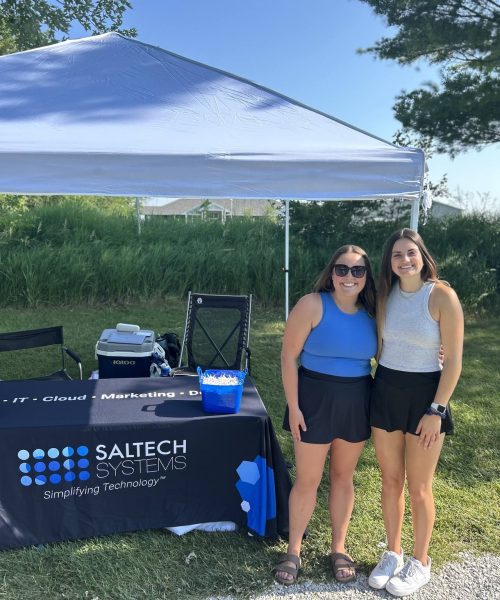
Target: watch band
[{"x": 434, "y": 413}]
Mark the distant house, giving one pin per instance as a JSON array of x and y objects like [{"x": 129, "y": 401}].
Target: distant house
[
  {"x": 220, "y": 210},
  {"x": 191, "y": 209},
  {"x": 440, "y": 209}
]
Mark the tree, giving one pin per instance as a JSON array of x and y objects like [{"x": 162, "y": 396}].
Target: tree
[
  {"x": 463, "y": 36},
  {"x": 26, "y": 24},
  {"x": 436, "y": 189}
]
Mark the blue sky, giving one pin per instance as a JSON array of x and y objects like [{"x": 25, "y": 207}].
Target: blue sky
[{"x": 307, "y": 51}]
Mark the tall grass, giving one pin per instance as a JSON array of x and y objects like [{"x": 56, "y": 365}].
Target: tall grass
[{"x": 73, "y": 252}]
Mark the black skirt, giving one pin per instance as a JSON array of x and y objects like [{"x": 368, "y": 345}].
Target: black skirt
[
  {"x": 401, "y": 398},
  {"x": 333, "y": 407}
]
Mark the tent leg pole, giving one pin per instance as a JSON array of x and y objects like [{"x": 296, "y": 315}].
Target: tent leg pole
[
  {"x": 138, "y": 214},
  {"x": 414, "y": 214},
  {"x": 287, "y": 256}
]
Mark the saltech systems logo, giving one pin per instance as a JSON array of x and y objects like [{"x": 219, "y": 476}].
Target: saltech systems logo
[
  {"x": 112, "y": 466},
  {"x": 54, "y": 466}
]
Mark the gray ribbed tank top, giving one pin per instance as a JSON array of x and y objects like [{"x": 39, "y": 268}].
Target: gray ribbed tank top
[{"x": 411, "y": 337}]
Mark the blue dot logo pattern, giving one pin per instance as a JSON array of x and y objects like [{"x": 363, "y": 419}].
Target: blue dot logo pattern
[
  {"x": 257, "y": 491},
  {"x": 39, "y": 467}
]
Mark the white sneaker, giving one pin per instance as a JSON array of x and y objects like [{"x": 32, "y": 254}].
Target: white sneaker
[
  {"x": 410, "y": 579},
  {"x": 390, "y": 564}
]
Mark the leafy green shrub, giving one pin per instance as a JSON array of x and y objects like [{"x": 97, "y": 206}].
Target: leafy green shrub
[{"x": 467, "y": 250}]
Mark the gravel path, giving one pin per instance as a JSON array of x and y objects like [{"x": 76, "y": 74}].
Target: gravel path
[{"x": 472, "y": 578}]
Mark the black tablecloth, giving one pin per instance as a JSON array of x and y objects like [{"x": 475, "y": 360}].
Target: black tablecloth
[{"x": 81, "y": 459}]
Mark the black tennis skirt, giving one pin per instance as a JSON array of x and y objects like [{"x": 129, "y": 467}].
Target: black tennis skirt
[
  {"x": 401, "y": 398},
  {"x": 333, "y": 407}
]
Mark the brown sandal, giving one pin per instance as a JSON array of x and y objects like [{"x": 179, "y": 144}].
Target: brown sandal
[
  {"x": 292, "y": 569},
  {"x": 349, "y": 564}
]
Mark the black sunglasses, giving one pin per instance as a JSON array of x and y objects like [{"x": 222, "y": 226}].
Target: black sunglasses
[{"x": 357, "y": 271}]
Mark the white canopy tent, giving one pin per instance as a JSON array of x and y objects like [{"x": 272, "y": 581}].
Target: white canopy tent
[{"x": 108, "y": 115}]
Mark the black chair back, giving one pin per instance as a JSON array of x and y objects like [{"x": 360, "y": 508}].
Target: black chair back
[
  {"x": 217, "y": 331},
  {"x": 32, "y": 338},
  {"x": 28, "y": 362}
]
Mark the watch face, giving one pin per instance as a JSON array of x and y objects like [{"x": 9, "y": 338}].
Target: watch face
[{"x": 440, "y": 408}]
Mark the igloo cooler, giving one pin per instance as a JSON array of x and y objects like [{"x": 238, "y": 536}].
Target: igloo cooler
[{"x": 125, "y": 351}]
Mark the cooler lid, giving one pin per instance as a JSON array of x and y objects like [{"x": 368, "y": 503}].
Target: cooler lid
[{"x": 115, "y": 341}]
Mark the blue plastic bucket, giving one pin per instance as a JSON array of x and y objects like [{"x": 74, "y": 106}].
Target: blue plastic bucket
[{"x": 221, "y": 398}]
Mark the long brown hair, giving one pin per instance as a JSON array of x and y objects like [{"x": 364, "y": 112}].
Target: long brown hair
[
  {"x": 368, "y": 295},
  {"x": 387, "y": 277}
]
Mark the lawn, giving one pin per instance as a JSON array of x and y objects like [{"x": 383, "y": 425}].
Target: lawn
[{"x": 158, "y": 565}]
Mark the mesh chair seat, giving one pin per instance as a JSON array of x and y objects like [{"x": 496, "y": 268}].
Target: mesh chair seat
[{"x": 217, "y": 331}]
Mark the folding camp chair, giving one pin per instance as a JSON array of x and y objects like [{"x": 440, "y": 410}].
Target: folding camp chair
[
  {"x": 37, "y": 338},
  {"x": 217, "y": 332}
]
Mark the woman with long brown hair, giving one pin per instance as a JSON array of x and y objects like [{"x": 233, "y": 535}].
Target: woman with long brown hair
[
  {"x": 332, "y": 332},
  {"x": 410, "y": 412}
]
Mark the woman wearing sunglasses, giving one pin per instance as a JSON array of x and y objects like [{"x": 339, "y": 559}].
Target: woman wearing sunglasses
[
  {"x": 410, "y": 413},
  {"x": 332, "y": 332}
]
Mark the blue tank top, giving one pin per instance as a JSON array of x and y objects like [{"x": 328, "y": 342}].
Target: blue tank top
[{"x": 340, "y": 344}]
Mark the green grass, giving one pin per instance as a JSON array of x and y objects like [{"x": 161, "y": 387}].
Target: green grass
[{"x": 156, "y": 565}]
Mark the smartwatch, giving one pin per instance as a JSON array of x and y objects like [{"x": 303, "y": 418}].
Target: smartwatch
[{"x": 437, "y": 409}]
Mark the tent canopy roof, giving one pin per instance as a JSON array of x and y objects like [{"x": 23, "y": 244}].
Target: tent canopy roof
[{"x": 111, "y": 115}]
